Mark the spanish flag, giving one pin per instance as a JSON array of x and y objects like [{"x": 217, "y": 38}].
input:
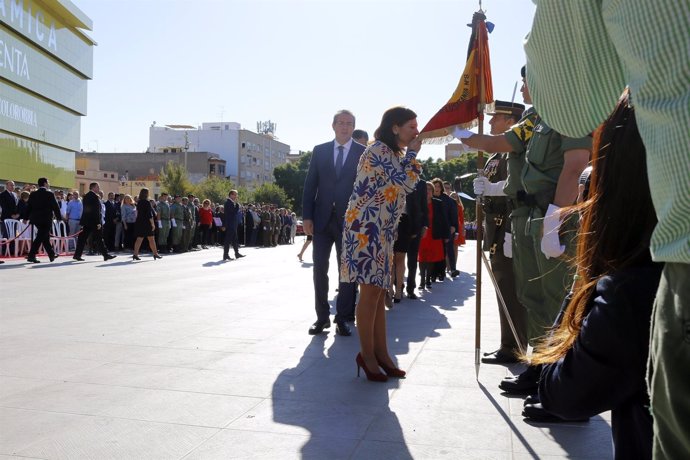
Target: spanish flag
[{"x": 463, "y": 108}]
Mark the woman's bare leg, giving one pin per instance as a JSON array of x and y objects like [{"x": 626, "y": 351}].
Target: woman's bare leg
[
  {"x": 370, "y": 298},
  {"x": 137, "y": 245}
]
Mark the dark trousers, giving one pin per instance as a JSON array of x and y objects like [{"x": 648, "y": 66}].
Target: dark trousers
[
  {"x": 230, "y": 239},
  {"x": 412, "y": 253},
  {"x": 205, "y": 234},
  {"x": 323, "y": 243},
  {"x": 97, "y": 239},
  {"x": 109, "y": 235},
  {"x": 42, "y": 238}
]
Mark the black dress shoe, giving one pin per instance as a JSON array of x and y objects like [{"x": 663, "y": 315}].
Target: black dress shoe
[
  {"x": 107, "y": 257},
  {"x": 536, "y": 413},
  {"x": 319, "y": 326},
  {"x": 53, "y": 257},
  {"x": 412, "y": 295},
  {"x": 532, "y": 399},
  {"x": 33, "y": 260},
  {"x": 525, "y": 383},
  {"x": 78, "y": 259},
  {"x": 454, "y": 273},
  {"x": 238, "y": 255},
  {"x": 227, "y": 258},
  {"x": 341, "y": 328},
  {"x": 500, "y": 357}
]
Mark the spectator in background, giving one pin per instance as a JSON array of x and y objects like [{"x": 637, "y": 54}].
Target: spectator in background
[
  {"x": 360, "y": 136},
  {"x": 129, "y": 217},
  {"x": 74, "y": 210},
  {"x": 206, "y": 221},
  {"x": 22, "y": 204}
]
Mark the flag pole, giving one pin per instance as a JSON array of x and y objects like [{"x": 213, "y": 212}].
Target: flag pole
[{"x": 479, "y": 212}]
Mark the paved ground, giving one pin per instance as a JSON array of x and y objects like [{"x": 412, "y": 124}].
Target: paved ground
[{"x": 189, "y": 357}]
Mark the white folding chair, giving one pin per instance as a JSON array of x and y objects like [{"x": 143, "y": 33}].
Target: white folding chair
[
  {"x": 57, "y": 239},
  {"x": 26, "y": 233},
  {"x": 11, "y": 226}
]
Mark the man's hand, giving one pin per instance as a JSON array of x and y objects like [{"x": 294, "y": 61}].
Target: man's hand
[
  {"x": 508, "y": 245},
  {"x": 308, "y": 226},
  {"x": 550, "y": 243},
  {"x": 482, "y": 186}
]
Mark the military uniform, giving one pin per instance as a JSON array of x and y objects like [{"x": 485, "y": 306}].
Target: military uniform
[
  {"x": 164, "y": 230},
  {"x": 544, "y": 159},
  {"x": 188, "y": 229},
  {"x": 497, "y": 211},
  {"x": 177, "y": 213}
]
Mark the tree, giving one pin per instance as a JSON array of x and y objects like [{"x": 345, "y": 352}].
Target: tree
[
  {"x": 272, "y": 194},
  {"x": 174, "y": 178},
  {"x": 214, "y": 188},
  {"x": 290, "y": 177}
]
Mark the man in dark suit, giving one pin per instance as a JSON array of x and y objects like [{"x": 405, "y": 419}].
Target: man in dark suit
[
  {"x": 8, "y": 202},
  {"x": 91, "y": 224},
  {"x": 327, "y": 189},
  {"x": 232, "y": 209},
  {"x": 110, "y": 221},
  {"x": 418, "y": 214},
  {"x": 40, "y": 209}
]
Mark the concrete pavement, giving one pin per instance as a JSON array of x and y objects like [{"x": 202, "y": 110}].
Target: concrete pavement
[{"x": 190, "y": 357}]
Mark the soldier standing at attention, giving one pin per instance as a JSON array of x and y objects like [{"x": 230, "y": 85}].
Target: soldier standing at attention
[
  {"x": 187, "y": 226},
  {"x": 549, "y": 175},
  {"x": 163, "y": 222},
  {"x": 177, "y": 215},
  {"x": 497, "y": 237}
]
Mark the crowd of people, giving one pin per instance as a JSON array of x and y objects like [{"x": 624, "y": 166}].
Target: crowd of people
[{"x": 171, "y": 224}]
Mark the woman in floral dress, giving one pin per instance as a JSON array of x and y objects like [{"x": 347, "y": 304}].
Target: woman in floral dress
[{"x": 385, "y": 174}]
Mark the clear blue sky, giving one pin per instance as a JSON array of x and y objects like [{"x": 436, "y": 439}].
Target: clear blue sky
[{"x": 295, "y": 62}]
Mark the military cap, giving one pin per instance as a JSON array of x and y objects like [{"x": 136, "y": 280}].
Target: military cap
[{"x": 507, "y": 108}]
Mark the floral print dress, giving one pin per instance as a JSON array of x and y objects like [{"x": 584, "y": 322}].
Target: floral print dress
[{"x": 378, "y": 199}]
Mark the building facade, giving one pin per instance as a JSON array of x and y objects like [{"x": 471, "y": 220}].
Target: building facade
[
  {"x": 46, "y": 59},
  {"x": 147, "y": 166},
  {"x": 250, "y": 157},
  {"x": 89, "y": 170}
]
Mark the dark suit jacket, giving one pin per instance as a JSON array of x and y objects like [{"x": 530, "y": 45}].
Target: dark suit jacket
[
  {"x": 9, "y": 206},
  {"x": 417, "y": 209},
  {"x": 110, "y": 213},
  {"x": 231, "y": 212},
  {"x": 41, "y": 207},
  {"x": 91, "y": 214},
  {"x": 451, "y": 208},
  {"x": 323, "y": 190}
]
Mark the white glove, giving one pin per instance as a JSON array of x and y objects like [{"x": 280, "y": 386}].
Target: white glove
[
  {"x": 508, "y": 245},
  {"x": 482, "y": 186},
  {"x": 550, "y": 243}
]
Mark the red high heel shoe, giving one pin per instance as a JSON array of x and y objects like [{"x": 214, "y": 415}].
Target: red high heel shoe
[
  {"x": 392, "y": 371},
  {"x": 374, "y": 377}
]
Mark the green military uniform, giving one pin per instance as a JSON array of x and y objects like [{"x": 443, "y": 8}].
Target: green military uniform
[
  {"x": 188, "y": 230},
  {"x": 527, "y": 286},
  {"x": 164, "y": 218},
  {"x": 177, "y": 213},
  {"x": 544, "y": 159},
  {"x": 497, "y": 223}
]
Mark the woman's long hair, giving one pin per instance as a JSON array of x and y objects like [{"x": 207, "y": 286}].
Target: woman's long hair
[
  {"x": 396, "y": 116},
  {"x": 144, "y": 194},
  {"x": 617, "y": 222}
]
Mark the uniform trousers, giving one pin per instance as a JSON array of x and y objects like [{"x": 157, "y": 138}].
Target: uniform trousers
[
  {"x": 502, "y": 269},
  {"x": 163, "y": 232},
  {"x": 669, "y": 364},
  {"x": 541, "y": 283}
]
